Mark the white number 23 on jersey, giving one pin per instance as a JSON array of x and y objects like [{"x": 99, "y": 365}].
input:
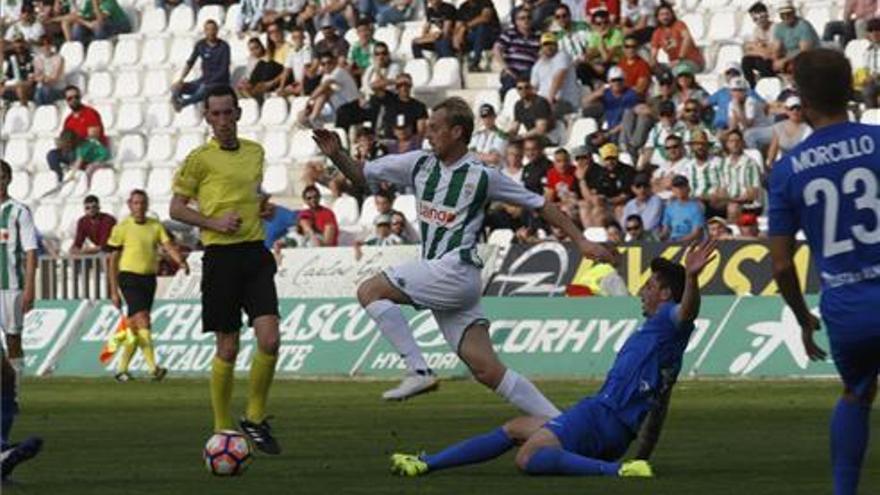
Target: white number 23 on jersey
[{"x": 868, "y": 200}]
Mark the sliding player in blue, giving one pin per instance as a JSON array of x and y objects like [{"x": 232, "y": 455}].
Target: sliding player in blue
[
  {"x": 11, "y": 455},
  {"x": 828, "y": 186},
  {"x": 590, "y": 438}
]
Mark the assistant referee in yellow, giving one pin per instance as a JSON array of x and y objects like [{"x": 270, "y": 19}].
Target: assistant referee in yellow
[
  {"x": 224, "y": 177},
  {"x": 134, "y": 245}
]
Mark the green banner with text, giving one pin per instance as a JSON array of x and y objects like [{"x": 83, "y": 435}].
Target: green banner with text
[{"x": 558, "y": 337}]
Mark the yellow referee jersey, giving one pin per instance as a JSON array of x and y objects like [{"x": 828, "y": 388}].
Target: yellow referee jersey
[
  {"x": 223, "y": 181},
  {"x": 139, "y": 245}
]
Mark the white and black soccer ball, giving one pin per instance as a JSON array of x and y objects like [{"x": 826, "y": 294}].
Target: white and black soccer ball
[{"x": 227, "y": 453}]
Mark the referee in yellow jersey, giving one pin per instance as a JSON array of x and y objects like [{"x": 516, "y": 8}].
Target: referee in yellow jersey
[
  {"x": 134, "y": 243},
  {"x": 224, "y": 177}
]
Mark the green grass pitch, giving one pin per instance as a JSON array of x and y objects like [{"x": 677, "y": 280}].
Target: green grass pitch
[{"x": 145, "y": 438}]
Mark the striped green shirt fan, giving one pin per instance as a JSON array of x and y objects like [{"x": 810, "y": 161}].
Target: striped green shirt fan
[
  {"x": 741, "y": 174},
  {"x": 17, "y": 236},
  {"x": 704, "y": 178},
  {"x": 450, "y": 199}
]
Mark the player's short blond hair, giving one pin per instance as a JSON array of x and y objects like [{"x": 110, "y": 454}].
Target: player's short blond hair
[{"x": 458, "y": 113}]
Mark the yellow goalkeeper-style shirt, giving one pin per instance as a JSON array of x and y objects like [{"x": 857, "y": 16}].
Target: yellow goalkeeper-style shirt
[
  {"x": 222, "y": 181},
  {"x": 138, "y": 242}
]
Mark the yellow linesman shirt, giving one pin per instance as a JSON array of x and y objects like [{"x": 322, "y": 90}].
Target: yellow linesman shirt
[
  {"x": 223, "y": 181},
  {"x": 138, "y": 242}
]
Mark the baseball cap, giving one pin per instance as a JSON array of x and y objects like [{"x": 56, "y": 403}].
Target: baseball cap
[
  {"x": 548, "y": 37},
  {"x": 747, "y": 219},
  {"x": 383, "y": 219},
  {"x": 487, "y": 110},
  {"x": 666, "y": 108},
  {"x": 615, "y": 73},
  {"x": 665, "y": 78},
  {"x": 680, "y": 181},
  {"x": 717, "y": 220},
  {"x": 786, "y": 6},
  {"x": 682, "y": 69},
  {"x": 792, "y": 101},
  {"x": 326, "y": 22},
  {"x": 608, "y": 150},
  {"x": 699, "y": 136},
  {"x": 738, "y": 83},
  {"x": 579, "y": 151}
]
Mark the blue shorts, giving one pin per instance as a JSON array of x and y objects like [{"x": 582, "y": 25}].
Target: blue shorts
[
  {"x": 592, "y": 430},
  {"x": 858, "y": 362}
]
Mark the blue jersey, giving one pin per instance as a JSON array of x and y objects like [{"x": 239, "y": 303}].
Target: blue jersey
[
  {"x": 646, "y": 366},
  {"x": 828, "y": 186}
]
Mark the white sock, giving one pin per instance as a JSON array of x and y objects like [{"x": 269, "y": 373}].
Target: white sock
[
  {"x": 393, "y": 325},
  {"x": 17, "y": 365},
  {"x": 523, "y": 394}
]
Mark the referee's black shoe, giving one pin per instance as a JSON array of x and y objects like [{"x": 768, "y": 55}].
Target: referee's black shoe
[{"x": 261, "y": 435}]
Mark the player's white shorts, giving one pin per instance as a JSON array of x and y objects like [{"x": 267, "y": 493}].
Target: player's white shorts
[
  {"x": 448, "y": 287},
  {"x": 11, "y": 317}
]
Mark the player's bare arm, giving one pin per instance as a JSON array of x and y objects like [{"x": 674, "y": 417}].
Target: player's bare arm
[
  {"x": 328, "y": 142},
  {"x": 784, "y": 272},
  {"x": 229, "y": 223},
  {"x": 172, "y": 250},
  {"x": 29, "y": 293},
  {"x": 555, "y": 217},
  {"x": 113, "y": 277},
  {"x": 649, "y": 434},
  {"x": 699, "y": 255}
]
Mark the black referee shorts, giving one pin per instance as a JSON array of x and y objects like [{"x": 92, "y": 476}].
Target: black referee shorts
[
  {"x": 138, "y": 291},
  {"x": 237, "y": 277}
]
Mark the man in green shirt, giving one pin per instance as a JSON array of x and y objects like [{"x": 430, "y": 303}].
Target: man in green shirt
[
  {"x": 361, "y": 51},
  {"x": 99, "y": 19}
]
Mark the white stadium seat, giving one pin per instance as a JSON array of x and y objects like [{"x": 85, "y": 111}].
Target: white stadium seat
[
  {"x": 98, "y": 56},
  {"x": 185, "y": 143},
  {"x": 238, "y": 51},
  {"x": 70, "y": 215},
  {"x": 160, "y": 209},
  {"x": 46, "y": 217},
  {"x": 131, "y": 178},
  {"x": 128, "y": 84},
  {"x": 275, "y": 180},
  {"x": 214, "y": 12},
  {"x": 419, "y": 70},
  {"x": 274, "y": 111},
  {"x": 17, "y": 152},
  {"x": 153, "y": 21},
  {"x": 580, "y": 129},
  {"x": 368, "y": 213},
  {"x": 130, "y": 116},
  {"x": 188, "y": 117},
  {"x": 17, "y": 119},
  {"x": 130, "y": 148},
  {"x": 103, "y": 182},
  {"x": 41, "y": 149},
  {"x": 302, "y": 145},
  {"x": 181, "y": 20},
  {"x": 107, "y": 109},
  {"x": 275, "y": 144},
  {"x": 768, "y": 88},
  {"x": 44, "y": 181},
  {"x": 181, "y": 48},
  {"x": 159, "y": 182},
  {"x": 250, "y": 112},
  {"x": 503, "y": 8},
  {"x": 45, "y": 120},
  {"x": 230, "y": 23},
  {"x": 160, "y": 149},
  {"x": 446, "y": 74},
  {"x": 855, "y": 51},
  {"x": 713, "y": 5},
  {"x": 100, "y": 85},
  {"x": 156, "y": 84},
  {"x": 155, "y": 52},
  {"x": 406, "y": 204},
  {"x": 73, "y": 54},
  {"x": 722, "y": 26},
  {"x": 489, "y": 96},
  {"x": 158, "y": 115},
  {"x": 127, "y": 51},
  {"x": 818, "y": 15},
  {"x": 726, "y": 54},
  {"x": 410, "y": 32},
  {"x": 596, "y": 234},
  {"x": 346, "y": 210},
  {"x": 696, "y": 25},
  {"x": 389, "y": 35},
  {"x": 20, "y": 187}
]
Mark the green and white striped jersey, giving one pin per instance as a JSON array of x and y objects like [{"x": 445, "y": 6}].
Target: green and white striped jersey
[
  {"x": 704, "y": 177},
  {"x": 740, "y": 174},
  {"x": 17, "y": 236},
  {"x": 450, "y": 199}
]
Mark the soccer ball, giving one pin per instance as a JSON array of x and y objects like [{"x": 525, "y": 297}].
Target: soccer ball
[{"x": 227, "y": 453}]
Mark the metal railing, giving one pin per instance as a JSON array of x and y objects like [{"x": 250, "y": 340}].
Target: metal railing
[{"x": 72, "y": 277}]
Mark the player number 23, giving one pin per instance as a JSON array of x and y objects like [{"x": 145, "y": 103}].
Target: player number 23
[{"x": 869, "y": 200}]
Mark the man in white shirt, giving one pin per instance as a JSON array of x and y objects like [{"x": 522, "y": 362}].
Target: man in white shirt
[
  {"x": 382, "y": 72},
  {"x": 758, "y": 46},
  {"x": 298, "y": 63},
  {"x": 554, "y": 78},
  {"x": 490, "y": 142},
  {"x": 337, "y": 88}
]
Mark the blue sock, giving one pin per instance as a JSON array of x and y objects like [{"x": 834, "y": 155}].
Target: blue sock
[
  {"x": 8, "y": 408},
  {"x": 477, "y": 449},
  {"x": 849, "y": 439},
  {"x": 549, "y": 460}
]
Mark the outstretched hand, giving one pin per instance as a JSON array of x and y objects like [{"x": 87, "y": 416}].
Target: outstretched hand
[
  {"x": 699, "y": 255},
  {"x": 808, "y": 328},
  {"x": 328, "y": 141}
]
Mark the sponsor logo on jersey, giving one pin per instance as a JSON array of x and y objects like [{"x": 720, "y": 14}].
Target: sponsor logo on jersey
[{"x": 431, "y": 214}]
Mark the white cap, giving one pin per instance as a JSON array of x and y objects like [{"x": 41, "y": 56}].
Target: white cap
[
  {"x": 786, "y": 6},
  {"x": 792, "y": 101},
  {"x": 615, "y": 73},
  {"x": 738, "y": 83},
  {"x": 732, "y": 65}
]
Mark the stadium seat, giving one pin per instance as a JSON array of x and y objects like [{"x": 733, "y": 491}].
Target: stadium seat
[
  {"x": 419, "y": 70},
  {"x": 158, "y": 115},
  {"x": 351, "y": 36},
  {"x": 390, "y": 35},
  {"x": 507, "y": 107},
  {"x": 500, "y": 237},
  {"x": 155, "y": 52},
  {"x": 73, "y": 54},
  {"x": 274, "y": 111},
  {"x": 230, "y": 22},
  {"x": 20, "y": 187},
  {"x": 297, "y": 105},
  {"x": 871, "y": 116},
  {"x": 182, "y": 20},
  {"x": 818, "y": 15},
  {"x": 188, "y": 117},
  {"x": 206, "y": 12},
  {"x": 726, "y": 54},
  {"x": 98, "y": 55},
  {"x": 275, "y": 180},
  {"x": 722, "y": 26},
  {"x": 697, "y": 27},
  {"x": 131, "y": 178},
  {"x": 159, "y": 182},
  {"x": 127, "y": 51},
  {"x": 129, "y": 117},
  {"x": 275, "y": 144},
  {"x": 406, "y": 204},
  {"x": 238, "y": 52},
  {"x": 446, "y": 74},
  {"x": 107, "y": 109},
  {"x": 252, "y": 133},
  {"x": 711, "y": 6},
  {"x": 186, "y": 142},
  {"x": 44, "y": 181},
  {"x": 100, "y": 85},
  {"x": 596, "y": 234},
  {"x": 411, "y": 31},
  {"x": 160, "y": 149},
  {"x": 250, "y": 112},
  {"x": 46, "y": 217},
  {"x": 346, "y": 210},
  {"x": 181, "y": 48},
  {"x": 503, "y": 8},
  {"x": 130, "y": 148},
  {"x": 368, "y": 213},
  {"x": 18, "y": 152},
  {"x": 580, "y": 129},
  {"x": 153, "y": 21},
  {"x": 489, "y": 96},
  {"x": 70, "y": 215},
  {"x": 128, "y": 85},
  {"x": 160, "y": 209},
  {"x": 78, "y": 79},
  {"x": 855, "y": 51},
  {"x": 302, "y": 145},
  {"x": 74, "y": 189},
  {"x": 709, "y": 82},
  {"x": 768, "y": 88},
  {"x": 40, "y": 149},
  {"x": 103, "y": 182},
  {"x": 156, "y": 84},
  {"x": 46, "y": 120},
  {"x": 17, "y": 119}
]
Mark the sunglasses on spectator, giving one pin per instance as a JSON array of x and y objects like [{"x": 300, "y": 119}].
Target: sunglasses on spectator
[
  {"x": 617, "y": 80},
  {"x": 403, "y": 84},
  {"x": 673, "y": 146},
  {"x": 690, "y": 110}
]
